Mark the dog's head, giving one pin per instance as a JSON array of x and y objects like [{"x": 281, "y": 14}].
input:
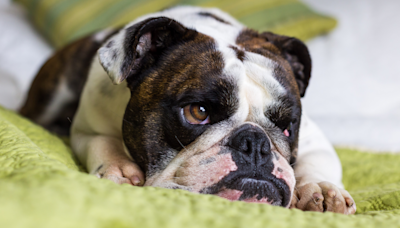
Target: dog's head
[{"x": 214, "y": 115}]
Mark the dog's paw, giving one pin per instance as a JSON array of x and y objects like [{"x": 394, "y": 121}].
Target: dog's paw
[
  {"x": 322, "y": 197},
  {"x": 121, "y": 172}
]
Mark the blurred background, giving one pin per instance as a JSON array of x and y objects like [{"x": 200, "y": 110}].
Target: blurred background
[{"x": 354, "y": 93}]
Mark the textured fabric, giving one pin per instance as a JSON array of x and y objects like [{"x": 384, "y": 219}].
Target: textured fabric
[
  {"x": 62, "y": 21},
  {"x": 41, "y": 186}
]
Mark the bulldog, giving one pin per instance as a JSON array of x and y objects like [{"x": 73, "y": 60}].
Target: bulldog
[{"x": 196, "y": 101}]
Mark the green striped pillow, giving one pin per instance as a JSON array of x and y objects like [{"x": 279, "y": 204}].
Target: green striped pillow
[{"x": 62, "y": 21}]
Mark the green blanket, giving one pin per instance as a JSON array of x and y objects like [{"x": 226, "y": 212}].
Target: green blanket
[{"x": 41, "y": 186}]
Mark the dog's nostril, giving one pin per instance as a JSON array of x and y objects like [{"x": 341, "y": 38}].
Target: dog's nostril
[
  {"x": 244, "y": 145},
  {"x": 249, "y": 146},
  {"x": 266, "y": 147}
]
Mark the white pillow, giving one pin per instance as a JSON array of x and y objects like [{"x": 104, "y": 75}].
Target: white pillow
[{"x": 22, "y": 52}]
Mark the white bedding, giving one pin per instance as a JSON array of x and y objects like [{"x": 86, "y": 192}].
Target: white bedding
[{"x": 353, "y": 94}]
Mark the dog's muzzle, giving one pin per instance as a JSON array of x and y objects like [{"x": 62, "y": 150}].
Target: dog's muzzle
[
  {"x": 243, "y": 166},
  {"x": 258, "y": 177}
]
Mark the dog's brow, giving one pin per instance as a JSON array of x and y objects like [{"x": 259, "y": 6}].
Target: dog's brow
[
  {"x": 277, "y": 112},
  {"x": 281, "y": 111}
]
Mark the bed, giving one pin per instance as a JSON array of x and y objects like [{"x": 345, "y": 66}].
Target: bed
[{"x": 43, "y": 185}]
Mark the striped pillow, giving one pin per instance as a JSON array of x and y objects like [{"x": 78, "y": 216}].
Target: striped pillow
[{"x": 62, "y": 21}]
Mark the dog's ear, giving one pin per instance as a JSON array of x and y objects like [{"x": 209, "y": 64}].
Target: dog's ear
[
  {"x": 296, "y": 53},
  {"x": 137, "y": 47}
]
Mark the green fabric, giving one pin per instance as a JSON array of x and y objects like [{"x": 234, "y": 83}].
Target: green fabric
[
  {"x": 41, "y": 186},
  {"x": 62, "y": 21}
]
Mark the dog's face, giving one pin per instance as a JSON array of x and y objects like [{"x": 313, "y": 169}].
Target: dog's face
[{"x": 208, "y": 115}]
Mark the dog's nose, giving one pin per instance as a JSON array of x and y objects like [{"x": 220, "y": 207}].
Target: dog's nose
[{"x": 252, "y": 143}]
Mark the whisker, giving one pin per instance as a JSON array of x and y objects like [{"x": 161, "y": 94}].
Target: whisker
[{"x": 180, "y": 142}]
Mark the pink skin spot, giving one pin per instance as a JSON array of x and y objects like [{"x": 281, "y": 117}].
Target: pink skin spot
[
  {"x": 286, "y": 133},
  {"x": 198, "y": 176},
  {"x": 230, "y": 194},
  {"x": 284, "y": 171}
]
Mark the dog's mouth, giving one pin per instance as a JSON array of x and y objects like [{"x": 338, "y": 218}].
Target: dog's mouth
[
  {"x": 219, "y": 172},
  {"x": 269, "y": 190}
]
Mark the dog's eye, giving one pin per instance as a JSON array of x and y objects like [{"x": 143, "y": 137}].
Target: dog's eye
[{"x": 196, "y": 114}]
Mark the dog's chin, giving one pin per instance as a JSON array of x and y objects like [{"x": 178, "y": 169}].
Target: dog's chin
[{"x": 271, "y": 191}]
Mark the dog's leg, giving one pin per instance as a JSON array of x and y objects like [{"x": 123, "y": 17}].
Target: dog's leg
[
  {"x": 96, "y": 134},
  {"x": 318, "y": 174},
  {"x": 106, "y": 158}
]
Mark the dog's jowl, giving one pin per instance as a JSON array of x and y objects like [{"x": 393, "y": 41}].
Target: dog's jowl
[{"x": 188, "y": 98}]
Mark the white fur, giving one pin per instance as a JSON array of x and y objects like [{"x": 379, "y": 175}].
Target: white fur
[
  {"x": 317, "y": 160},
  {"x": 99, "y": 116},
  {"x": 113, "y": 66}
]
